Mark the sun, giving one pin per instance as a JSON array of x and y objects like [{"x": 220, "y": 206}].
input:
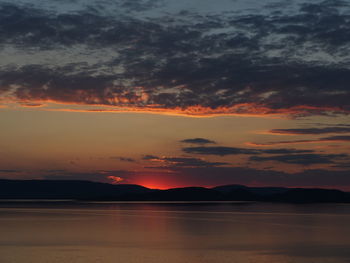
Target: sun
[{"x": 156, "y": 185}]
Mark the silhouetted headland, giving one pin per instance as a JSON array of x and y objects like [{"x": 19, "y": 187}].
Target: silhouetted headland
[{"x": 86, "y": 190}]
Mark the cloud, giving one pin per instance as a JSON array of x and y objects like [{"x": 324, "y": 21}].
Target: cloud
[
  {"x": 115, "y": 179},
  {"x": 162, "y": 58},
  {"x": 223, "y": 150},
  {"x": 171, "y": 162},
  {"x": 219, "y": 150},
  {"x": 310, "y": 131},
  {"x": 123, "y": 159},
  {"x": 150, "y": 157},
  {"x": 344, "y": 138},
  {"x": 55, "y": 170},
  {"x": 285, "y": 151},
  {"x": 285, "y": 155},
  {"x": 301, "y": 159},
  {"x": 198, "y": 141}
]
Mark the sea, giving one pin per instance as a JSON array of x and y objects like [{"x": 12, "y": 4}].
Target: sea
[{"x": 48, "y": 231}]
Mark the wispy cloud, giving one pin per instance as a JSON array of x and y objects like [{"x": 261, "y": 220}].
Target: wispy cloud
[
  {"x": 171, "y": 162},
  {"x": 224, "y": 150},
  {"x": 198, "y": 141},
  {"x": 219, "y": 150},
  {"x": 302, "y": 159},
  {"x": 123, "y": 159},
  {"x": 310, "y": 131},
  {"x": 339, "y": 138}
]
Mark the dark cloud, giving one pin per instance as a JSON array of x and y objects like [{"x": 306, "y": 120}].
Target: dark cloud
[
  {"x": 219, "y": 150},
  {"x": 339, "y": 138},
  {"x": 292, "y": 156},
  {"x": 198, "y": 141},
  {"x": 150, "y": 157},
  {"x": 285, "y": 151},
  {"x": 222, "y": 150},
  {"x": 311, "y": 131},
  {"x": 245, "y": 63},
  {"x": 301, "y": 159},
  {"x": 336, "y": 138},
  {"x": 124, "y": 159},
  {"x": 55, "y": 171}
]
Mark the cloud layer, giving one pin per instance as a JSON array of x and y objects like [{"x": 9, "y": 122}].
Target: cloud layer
[{"x": 154, "y": 55}]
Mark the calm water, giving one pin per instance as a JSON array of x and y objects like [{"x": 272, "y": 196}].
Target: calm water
[{"x": 174, "y": 233}]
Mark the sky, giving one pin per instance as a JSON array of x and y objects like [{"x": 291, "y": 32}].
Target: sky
[{"x": 167, "y": 93}]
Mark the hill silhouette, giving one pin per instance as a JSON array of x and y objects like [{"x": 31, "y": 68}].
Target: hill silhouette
[{"x": 86, "y": 190}]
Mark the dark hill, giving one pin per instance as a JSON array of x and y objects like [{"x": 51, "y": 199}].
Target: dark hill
[
  {"x": 65, "y": 189},
  {"x": 300, "y": 195},
  {"x": 254, "y": 190},
  {"x": 85, "y": 190}
]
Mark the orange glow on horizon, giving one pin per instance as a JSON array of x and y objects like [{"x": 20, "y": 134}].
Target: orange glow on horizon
[
  {"x": 164, "y": 184},
  {"x": 156, "y": 185},
  {"x": 160, "y": 183},
  {"x": 192, "y": 112},
  {"x": 197, "y": 111}
]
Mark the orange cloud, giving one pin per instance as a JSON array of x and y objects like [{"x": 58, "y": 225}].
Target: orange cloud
[
  {"x": 115, "y": 179},
  {"x": 139, "y": 104},
  {"x": 33, "y": 105}
]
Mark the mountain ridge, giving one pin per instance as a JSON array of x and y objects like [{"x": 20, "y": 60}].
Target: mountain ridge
[{"x": 88, "y": 190}]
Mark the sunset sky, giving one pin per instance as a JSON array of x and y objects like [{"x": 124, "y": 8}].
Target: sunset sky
[{"x": 166, "y": 93}]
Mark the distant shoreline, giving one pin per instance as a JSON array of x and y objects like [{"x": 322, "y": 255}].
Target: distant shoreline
[{"x": 86, "y": 191}]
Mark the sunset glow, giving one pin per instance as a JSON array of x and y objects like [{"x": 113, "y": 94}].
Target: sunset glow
[{"x": 176, "y": 94}]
